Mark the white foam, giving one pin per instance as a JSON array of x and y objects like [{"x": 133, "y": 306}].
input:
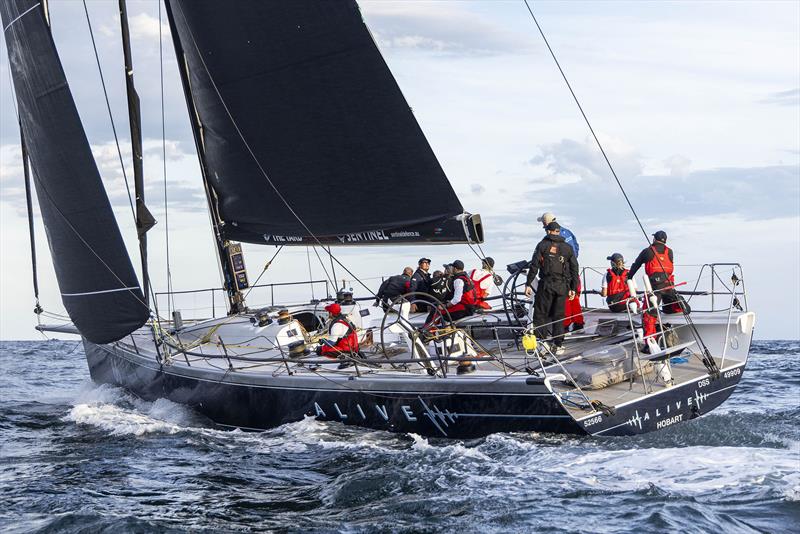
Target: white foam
[
  {"x": 792, "y": 493},
  {"x": 119, "y": 421},
  {"x": 116, "y": 411},
  {"x": 456, "y": 449},
  {"x": 686, "y": 471},
  {"x": 91, "y": 393}
]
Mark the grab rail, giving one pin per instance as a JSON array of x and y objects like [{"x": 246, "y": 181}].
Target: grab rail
[
  {"x": 711, "y": 270},
  {"x": 272, "y": 286}
]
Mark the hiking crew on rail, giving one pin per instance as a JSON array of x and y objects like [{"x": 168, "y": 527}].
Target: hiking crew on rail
[
  {"x": 658, "y": 261},
  {"x": 615, "y": 284}
]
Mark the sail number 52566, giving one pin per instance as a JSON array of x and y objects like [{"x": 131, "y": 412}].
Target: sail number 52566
[{"x": 592, "y": 421}]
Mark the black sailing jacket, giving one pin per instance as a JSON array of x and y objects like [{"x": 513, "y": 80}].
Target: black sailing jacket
[{"x": 555, "y": 263}]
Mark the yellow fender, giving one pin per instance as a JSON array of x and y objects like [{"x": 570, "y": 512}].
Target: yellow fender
[{"x": 529, "y": 342}]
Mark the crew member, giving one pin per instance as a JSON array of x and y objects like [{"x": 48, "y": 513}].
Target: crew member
[
  {"x": 442, "y": 285},
  {"x": 394, "y": 286},
  {"x": 614, "y": 287},
  {"x": 555, "y": 263},
  {"x": 342, "y": 338},
  {"x": 484, "y": 280},
  {"x": 463, "y": 304},
  {"x": 465, "y": 298},
  {"x": 573, "y": 314},
  {"x": 421, "y": 283},
  {"x": 659, "y": 265}
]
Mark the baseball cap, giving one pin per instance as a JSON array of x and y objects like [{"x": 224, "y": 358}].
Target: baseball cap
[
  {"x": 661, "y": 235},
  {"x": 334, "y": 308},
  {"x": 546, "y": 218},
  {"x": 423, "y": 260},
  {"x": 615, "y": 257},
  {"x": 489, "y": 261},
  {"x": 458, "y": 264},
  {"x": 552, "y": 225}
]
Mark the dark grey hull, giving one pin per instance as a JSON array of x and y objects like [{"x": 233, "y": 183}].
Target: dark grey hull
[{"x": 454, "y": 407}]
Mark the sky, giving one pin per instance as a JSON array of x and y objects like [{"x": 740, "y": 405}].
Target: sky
[{"x": 696, "y": 103}]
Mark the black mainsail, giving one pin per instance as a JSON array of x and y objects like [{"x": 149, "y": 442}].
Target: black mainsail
[
  {"x": 97, "y": 281},
  {"x": 302, "y": 130}
]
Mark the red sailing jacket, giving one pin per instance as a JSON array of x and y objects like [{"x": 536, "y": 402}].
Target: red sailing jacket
[
  {"x": 469, "y": 297},
  {"x": 481, "y": 293},
  {"x": 617, "y": 288},
  {"x": 347, "y": 344},
  {"x": 660, "y": 263}
]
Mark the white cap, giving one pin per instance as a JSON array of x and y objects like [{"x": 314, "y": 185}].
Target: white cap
[{"x": 546, "y": 218}]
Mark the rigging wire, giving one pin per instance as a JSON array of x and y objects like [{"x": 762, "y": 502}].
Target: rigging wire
[
  {"x": 711, "y": 364},
  {"x": 91, "y": 249},
  {"x": 110, "y": 115},
  {"x": 310, "y": 273},
  {"x": 589, "y": 124},
  {"x": 256, "y": 160},
  {"x": 322, "y": 264},
  {"x": 155, "y": 314},
  {"x": 38, "y": 310},
  {"x": 170, "y": 296},
  {"x": 29, "y": 205},
  {"x": 266, "y": 266},
  {"x": 333, "y": 270}
]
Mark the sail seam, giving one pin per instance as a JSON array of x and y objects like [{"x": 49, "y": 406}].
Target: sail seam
[
  {"x": 21, "y": 15},
  {"x": 99, "y": 292}
]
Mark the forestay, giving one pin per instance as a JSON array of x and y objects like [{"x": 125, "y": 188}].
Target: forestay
[
  {"x": 97, "y": 281},
  {"x": 295, "y": 107}
]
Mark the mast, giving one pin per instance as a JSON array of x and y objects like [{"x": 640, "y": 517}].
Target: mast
[
  {"x": 144, "y": 219},
  {"x": 235, "y": 296}
]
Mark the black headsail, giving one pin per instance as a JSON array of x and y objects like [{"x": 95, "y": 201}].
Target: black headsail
[
  {"x": 294, "y": 105},
  {"x": 97, "y": 281}
]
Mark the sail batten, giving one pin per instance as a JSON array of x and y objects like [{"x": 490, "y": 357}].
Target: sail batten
[
  {"x": 304, "y": 131},
  {"x": 99, "y": 287}
]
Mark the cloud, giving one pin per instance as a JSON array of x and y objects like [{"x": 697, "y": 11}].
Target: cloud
[
  {"x": 141, "y": 26},
  {"x": 12, "y": 188},
  {"x": 783, "y": 98},
  {"x": 184, "y": 194},
  {"x": 751, "y": 193},
  {"x": 441, "y": 28},
  {"x": 146, "y": 27},
  {"x": 570, "y": 158},
  {"x": 477, "y": 189},
  {"x": 678, "y": 165}
]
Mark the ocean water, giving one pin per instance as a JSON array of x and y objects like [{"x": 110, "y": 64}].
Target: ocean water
[{"x": 81, "y": 457}]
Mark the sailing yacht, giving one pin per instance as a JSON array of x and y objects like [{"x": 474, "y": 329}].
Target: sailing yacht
[{"x": 304, "y": 137}]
